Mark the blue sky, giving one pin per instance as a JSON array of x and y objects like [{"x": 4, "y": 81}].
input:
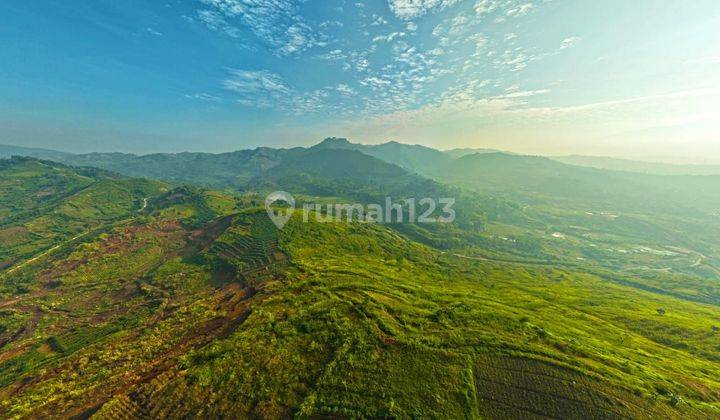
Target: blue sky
[{"x": 635, "y": 79}]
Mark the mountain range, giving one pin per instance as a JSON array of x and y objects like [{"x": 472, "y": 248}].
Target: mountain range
[{"x": 156, "y": 287}]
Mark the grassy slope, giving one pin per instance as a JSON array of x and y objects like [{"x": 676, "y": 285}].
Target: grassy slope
[
  {"x": 603, "y": 214},
  {"x": 360, "y": 323},
  {"x": 111, "y": 309},
  {"x": 44, "y": 204},
  {"x": 188, "y": 311}
]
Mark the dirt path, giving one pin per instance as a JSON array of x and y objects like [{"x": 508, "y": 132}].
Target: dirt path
[
  {"x": 471, "y": 258},
  {"x": 45, "y": 253}
]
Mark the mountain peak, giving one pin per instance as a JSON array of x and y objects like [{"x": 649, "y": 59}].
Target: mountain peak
[{"x": 334, "y": 142}]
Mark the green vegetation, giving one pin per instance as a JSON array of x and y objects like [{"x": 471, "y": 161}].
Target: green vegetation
[{"x": 126, "y": 298}]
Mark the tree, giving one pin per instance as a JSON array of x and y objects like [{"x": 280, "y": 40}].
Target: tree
[{"x": 674, "y": 400}]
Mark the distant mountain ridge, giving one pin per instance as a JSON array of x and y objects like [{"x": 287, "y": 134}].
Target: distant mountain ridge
[
  {"x": 10, "y": 151},
  {"x": 655, "y": 168},
  {"x": 415, "y": 158},
  {"x": 337, "y": 167},
  {"x": 458, "y": 153}
]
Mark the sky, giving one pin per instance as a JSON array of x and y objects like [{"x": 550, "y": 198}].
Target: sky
[{"x": 637, "y": 79}]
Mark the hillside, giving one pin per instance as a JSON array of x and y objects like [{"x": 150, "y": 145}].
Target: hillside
[
  {"x": 516, "y": 176},
  {"x": 656, "y": 227},
  {"x": 543, "y": 178},
  {"x": 43, "y": 203},
  {"x": 508, "y": 206},
  {"x": 654, "y": 168},
  {"x": 10, "y": 151},
  {"x": 415, "y": 158},
  {"x": 333, "y": 171},
  {"x": 458, "y": 153},
  {"x": 199, "y": 306}
]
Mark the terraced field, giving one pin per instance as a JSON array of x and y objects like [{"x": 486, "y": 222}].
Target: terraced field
[
  {"x": 250, "y": 245},
  {"x": 512, "y": 387}
]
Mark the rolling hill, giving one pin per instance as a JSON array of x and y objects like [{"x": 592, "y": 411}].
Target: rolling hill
[
  {"x": 509, "y": 206},
  {"x": 10, "y": 151},
  {"x": 44, "y": 203},
  {"x": 191, "y": 303},
  {"x": 414, "y": 158}
]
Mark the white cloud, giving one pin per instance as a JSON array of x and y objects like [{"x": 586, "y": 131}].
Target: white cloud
[
  {"x": 215, "y": 21},
  {"x": 378, "y": 20},
  {"x": 479, "y": 40},
  {"x": 298, "y": 37},
  {"x": 458, "y": 24},
  {"x": 331, "y": 23},
  {"x": 203, "y": 97},
  {"x": 389, "y": 37},
  {"x": 516, "y": 62},
  {"x": 520, "y": 10},
  {"x": 264, "y": 89},
  {"x": 522, "y": 94},
  {"x": 511, "y": 8},
  {"x": 483, "y": 7},
  {"x": 389, "y": 74},
  {"x": 275, "y": 22},
  {"x": 569, "y": 42},
  {"x": 410, "y": 9},
  {"x": 154, "y": 32},
  {"x": 345, "y": 89},
  {"x": 375, "y": 82},
  {"x": 455, "y": 30},
  {"x": 261, "y": 83},
  {"x": 334, "y": 55}
]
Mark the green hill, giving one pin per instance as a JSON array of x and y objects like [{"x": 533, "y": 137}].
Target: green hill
[
  {"x": 10, "y": 151},
  {"x": 163, "y": 319},
  {"x": 560, "y": 291},
  {"x": 526, "y": 207},
  {"x": 45, "y": 203},
  {"x": 414, "y": 158}
]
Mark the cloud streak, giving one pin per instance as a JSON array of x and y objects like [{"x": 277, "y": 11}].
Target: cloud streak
[
  {"x": 276, "y": 23},
  {"x": 569, "y": 42},
  {"x": 411, "y": 9}
]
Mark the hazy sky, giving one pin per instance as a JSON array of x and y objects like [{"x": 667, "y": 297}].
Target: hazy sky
[{"x": 634, "y": 78}]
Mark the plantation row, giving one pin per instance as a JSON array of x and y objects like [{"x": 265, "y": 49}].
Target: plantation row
[
  {"x": 251, "y": 244},
  {"x": 514, "y": 387}
]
